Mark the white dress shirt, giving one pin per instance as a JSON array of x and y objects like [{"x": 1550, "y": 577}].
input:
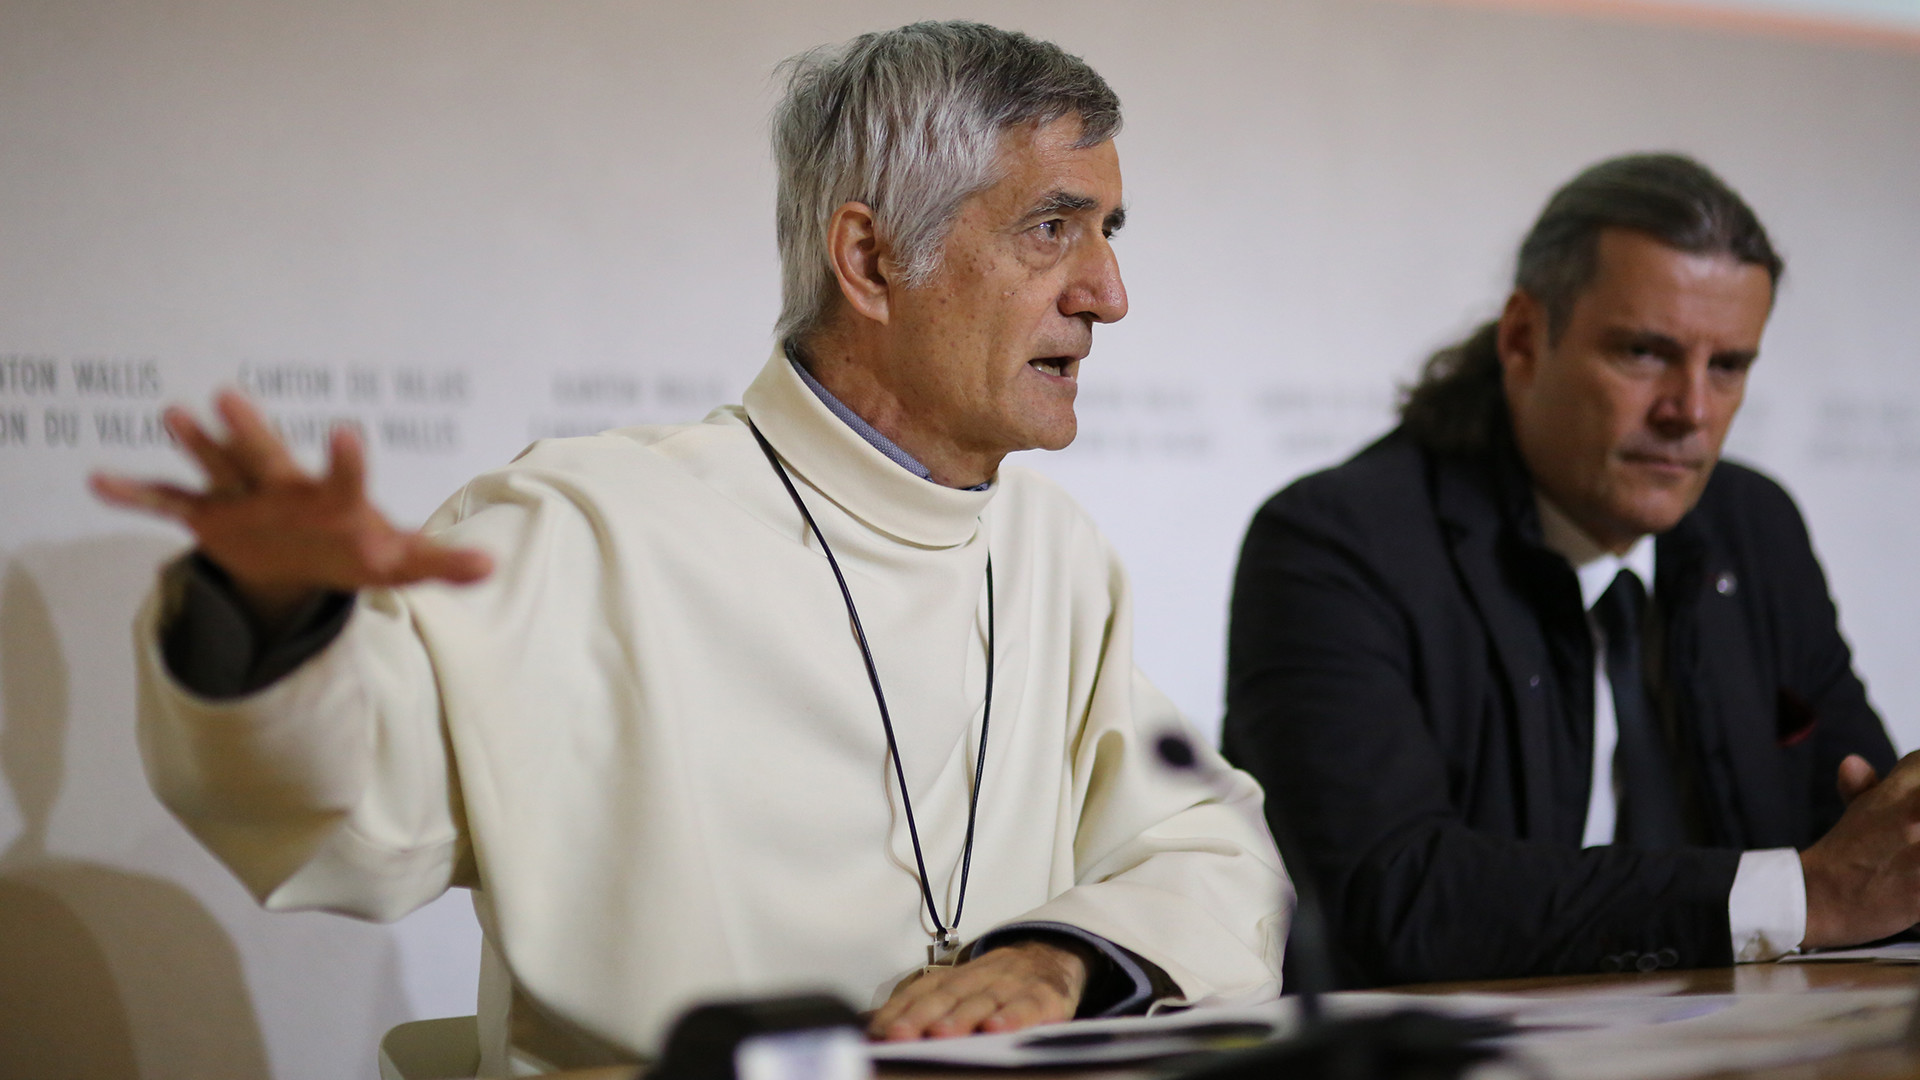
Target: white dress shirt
[{"x": 1767, "y": 907}]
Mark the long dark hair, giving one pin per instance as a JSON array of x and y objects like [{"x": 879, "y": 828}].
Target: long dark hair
[{"x": 1457, "y": 403}]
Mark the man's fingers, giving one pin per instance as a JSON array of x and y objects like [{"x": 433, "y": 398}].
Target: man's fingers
[
  {"x": 895, "y": 1004},
  {"x": 223, "y": 477},
  {"x": 1031, "y": 982},
  {"x": 926, "y": 1000},
  {"x": 889, "y": 1014},
  {"x": 966, "y": 1015},
  {"x": 1855, "y": 778},
  {"x": 1026, "y": 1011},
  {"x": 165, "y": 500},
  {"x": 346, "y": 463},
  {"x": 279, "y": 532},
  {"x": 257, "y": 452},
  {"x": 880, "y": 1025},
  {"x": 425, "y": 560}
]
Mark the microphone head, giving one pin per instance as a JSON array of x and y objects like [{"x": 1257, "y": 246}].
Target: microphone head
[{"x": 1176, "y": 751}]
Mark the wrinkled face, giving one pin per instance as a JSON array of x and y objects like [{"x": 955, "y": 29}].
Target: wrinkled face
[
  {"x": 987, "y": 351},
  {"x": 1621, "y": 421}
]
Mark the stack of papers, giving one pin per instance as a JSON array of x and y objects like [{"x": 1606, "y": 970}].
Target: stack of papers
[
  {"x": 1648, "y": 1034},
  {"x": 1627, "y": 1037}
]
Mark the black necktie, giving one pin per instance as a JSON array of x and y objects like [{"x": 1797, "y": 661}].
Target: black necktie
[{"x": 1649, "y": 801}]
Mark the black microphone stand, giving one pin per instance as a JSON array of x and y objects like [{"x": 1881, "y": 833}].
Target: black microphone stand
[{"x": 1405, "y": 1044}]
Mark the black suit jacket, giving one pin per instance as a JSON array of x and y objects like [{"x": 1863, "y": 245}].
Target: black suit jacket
[{"x": 1410, "y": 676}]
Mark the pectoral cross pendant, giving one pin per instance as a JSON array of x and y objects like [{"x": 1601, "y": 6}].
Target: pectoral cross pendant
[{"x": 944, "y": 952}]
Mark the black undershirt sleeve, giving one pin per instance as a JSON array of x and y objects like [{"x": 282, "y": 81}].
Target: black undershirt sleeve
[{"x": 217, "y": 649}]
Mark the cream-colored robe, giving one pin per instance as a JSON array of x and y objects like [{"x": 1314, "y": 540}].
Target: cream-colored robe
[{"x": 649, "y": 744}]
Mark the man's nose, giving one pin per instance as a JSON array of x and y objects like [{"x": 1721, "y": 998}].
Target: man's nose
[
  {"x": 1683, "y": 402},
  {"x": 1096, "y": 288}
]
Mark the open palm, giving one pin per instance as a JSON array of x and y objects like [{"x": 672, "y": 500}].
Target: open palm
[{"x": 280, "y": 533}]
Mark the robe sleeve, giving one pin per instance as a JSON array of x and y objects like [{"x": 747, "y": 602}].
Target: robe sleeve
[
  {"x": 1173, "y": 863},
  {"x": 330, "y": 787},
  {"x": 333, "y": 786}
]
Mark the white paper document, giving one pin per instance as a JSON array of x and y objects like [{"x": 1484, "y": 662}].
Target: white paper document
[
  {"x": 1719, "y": 1033},
  {"x": 1649, "y": 1034},
  {"x": 1899, "y": 952},
  {"x": 1103, "y": 1042}
]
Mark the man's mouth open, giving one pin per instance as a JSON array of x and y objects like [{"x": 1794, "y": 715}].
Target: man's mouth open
[{"x": 1056, "y": 367}]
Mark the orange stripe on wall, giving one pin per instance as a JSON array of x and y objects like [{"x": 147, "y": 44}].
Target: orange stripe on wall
[{"x": 1804, "y": 27}]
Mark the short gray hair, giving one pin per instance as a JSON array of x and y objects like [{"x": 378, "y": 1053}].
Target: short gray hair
[{"x": 908, "y": 121}]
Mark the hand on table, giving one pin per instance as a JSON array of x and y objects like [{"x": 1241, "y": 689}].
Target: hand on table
[
  {"x": 1863, "y": 876},
  {"x": 1013, "y": 987},
  {"x": 283, "y": 535}
]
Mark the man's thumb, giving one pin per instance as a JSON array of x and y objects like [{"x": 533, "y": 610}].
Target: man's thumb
[{"x": 1856, "y": 776}]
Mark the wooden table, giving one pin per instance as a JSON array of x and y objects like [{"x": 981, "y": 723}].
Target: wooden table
[{"x": 1884, "y": 1064}]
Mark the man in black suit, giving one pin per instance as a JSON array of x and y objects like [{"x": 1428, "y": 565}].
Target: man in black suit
[{"x": 1536, "y": 683}]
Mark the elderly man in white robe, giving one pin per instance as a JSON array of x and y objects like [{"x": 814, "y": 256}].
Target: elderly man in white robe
[{"x": 811, "y": 693}]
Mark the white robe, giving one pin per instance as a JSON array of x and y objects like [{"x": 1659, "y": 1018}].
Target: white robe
[{"x": 649, "y": 745}]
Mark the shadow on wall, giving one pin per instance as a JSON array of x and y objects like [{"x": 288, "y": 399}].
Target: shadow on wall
[{"x": 104, "y": 973}]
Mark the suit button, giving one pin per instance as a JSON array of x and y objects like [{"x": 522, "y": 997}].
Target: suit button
[
  {"x": 1726, "y": 584},
  {"x": 1669, "y": 957},
  {"x": 1646, "y": 962}
]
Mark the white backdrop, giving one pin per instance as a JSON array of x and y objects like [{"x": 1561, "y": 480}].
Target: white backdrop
[{"x": 464, "y": 224}]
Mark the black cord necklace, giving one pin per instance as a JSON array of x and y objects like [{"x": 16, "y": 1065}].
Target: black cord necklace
[{"x": 945, "y": 949}]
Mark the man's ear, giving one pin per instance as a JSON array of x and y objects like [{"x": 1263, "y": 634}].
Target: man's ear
[
  {"x": 1522, "y": 337},
  {"x": 861, "y": 261}
]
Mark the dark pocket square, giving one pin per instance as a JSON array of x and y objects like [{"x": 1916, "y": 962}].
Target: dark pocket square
[{"x": 1794, "y": 718}]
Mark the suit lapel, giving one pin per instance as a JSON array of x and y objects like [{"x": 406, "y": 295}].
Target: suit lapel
[
  {"x": 1729, "y": 709},
  {"x": 1469, "y": 508}
]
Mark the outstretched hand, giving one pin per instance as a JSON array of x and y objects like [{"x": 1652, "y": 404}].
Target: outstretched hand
[
  {"x": 1863, "y": 876},
  {"x": 281, "y": 534}
]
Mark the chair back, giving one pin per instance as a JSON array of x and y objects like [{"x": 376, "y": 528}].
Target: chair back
[{"x": 443, "y": 1049}]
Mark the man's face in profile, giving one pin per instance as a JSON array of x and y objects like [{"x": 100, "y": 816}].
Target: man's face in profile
[
  {"x": 1621, "y": 420},
  {"x": 990, "y": 347}
]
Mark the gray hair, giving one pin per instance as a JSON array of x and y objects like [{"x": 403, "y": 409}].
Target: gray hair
[{"x": 908, "y": 122}]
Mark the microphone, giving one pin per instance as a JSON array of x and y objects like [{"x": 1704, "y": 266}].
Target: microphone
[
  {"x": 1405, "y": 1044},
  {"x": 797, "y": 1037}
]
